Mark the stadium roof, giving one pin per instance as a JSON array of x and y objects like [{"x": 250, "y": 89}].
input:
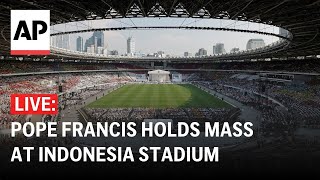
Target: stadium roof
[{"x": 301, "y": 18}]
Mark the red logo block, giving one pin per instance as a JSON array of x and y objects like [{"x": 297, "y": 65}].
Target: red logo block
[{"x": 34, "y": 104}]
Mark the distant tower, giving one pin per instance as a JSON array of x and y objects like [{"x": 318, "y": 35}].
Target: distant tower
[
  {"x": 187, "y": 54},
  {"x": 202, "y": 52},
  {"x": 80, "y": 44},
  {"x": 90, "y": 49},
  {"x": 97, "y": 40},
  {"x": 131, "y": 46},
  {"x": 214, "y": 50},
  {"x": 219, "y": 48},
  {"x": 99, "y": 50},
  {"x": 95, "y": 44}
]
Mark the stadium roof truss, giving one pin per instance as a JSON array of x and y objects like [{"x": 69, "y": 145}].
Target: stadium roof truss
[{"x": 301, "y": 18}]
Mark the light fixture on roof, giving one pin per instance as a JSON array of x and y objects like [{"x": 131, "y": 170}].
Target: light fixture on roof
[
  {"x": 202, "y": 13},
  {"x": 91, "y": 15}
]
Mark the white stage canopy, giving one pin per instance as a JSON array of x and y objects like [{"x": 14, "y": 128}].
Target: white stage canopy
[{"x": 159, "y": 76}]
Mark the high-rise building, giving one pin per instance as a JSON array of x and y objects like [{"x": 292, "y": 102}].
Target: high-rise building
[
  {"x": 213, "y": 49},
  {"x": 202, "y": 52},
  {"x": 255, "y": 43},
  {"x": 96, "y": 45},
  {"x": 99, "y": 50},
  {"x": 97, "y": 40},
  {"x": 79, "y": 44},
  {"x": 131, "y": 46},
  {"x": 91, "y": 49},
  {"x": 219, "y": 48},
  {"x": 187, "y": 54}
]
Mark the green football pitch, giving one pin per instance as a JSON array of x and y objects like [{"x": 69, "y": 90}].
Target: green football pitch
[{"x": 158, "y": 96}]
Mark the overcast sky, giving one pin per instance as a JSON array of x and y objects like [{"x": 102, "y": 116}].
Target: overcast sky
[{"x": 173, "y": 41}]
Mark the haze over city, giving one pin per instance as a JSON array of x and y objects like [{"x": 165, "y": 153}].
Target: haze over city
[{"x": 172, "y": 41}]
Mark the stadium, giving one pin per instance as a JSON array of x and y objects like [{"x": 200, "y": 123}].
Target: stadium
[{"x": 275, "y": 86}]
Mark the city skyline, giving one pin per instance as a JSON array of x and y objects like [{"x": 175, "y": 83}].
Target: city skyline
[
  {"x": 171, "y": 41},
  {"x": 210, "y": 50},
  {"x": 93, "y": 43}
]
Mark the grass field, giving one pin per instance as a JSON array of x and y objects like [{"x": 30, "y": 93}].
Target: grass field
[{"x": 158, "y": 96}]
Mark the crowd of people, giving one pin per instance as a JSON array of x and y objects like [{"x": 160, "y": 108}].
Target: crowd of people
[
  {"x": 75, "y": 88},
  {"x": 10, "y": 67},
  {"x": 307, "y": 65},
  {"x": 297, "y": 104},
  {"x": 138, "y": 115},
  {"x": 284, "y": 106},
  {"x": 108, "y": 115}
]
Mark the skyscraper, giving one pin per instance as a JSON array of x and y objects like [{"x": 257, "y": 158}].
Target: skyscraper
[
  {"x": 255, "y": 43},
  {"x": 80, "y": 44},
  {"x": 97, "y": 40},
  {"x": 202, "y": 52},
  {"x": 91, "y": 49},
  {"x": 100, "y": 50},
  {"x": 187, "y": 54},
  {"x": 131, "y": 46},
  {"x": 219, "y": 48}
]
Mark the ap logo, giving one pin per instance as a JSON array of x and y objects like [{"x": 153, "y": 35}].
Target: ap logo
[{"x": 30, "y": 32}]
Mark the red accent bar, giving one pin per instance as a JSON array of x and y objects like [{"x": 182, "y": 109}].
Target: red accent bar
[
  {"x": 30, "y": 52},
  {"x": 34, "y": 104}
]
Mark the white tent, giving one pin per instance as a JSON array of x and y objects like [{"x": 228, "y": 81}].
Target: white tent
[{"x": 159, "y": 76}]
